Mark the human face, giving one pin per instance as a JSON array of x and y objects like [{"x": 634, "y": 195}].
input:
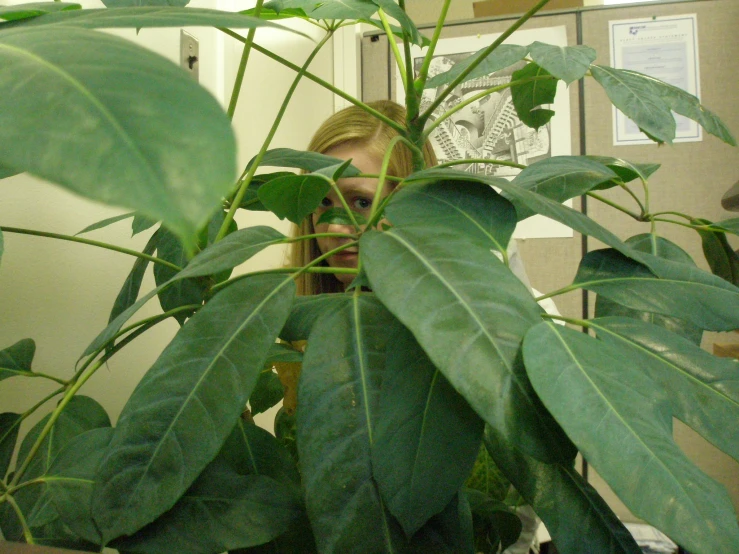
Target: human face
[{"x": 358, "y": 193}]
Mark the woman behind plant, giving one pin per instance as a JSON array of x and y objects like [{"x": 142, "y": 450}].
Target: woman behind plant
[{"x": 356, "y": 134}]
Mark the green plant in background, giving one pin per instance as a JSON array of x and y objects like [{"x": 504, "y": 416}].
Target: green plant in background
[{"x": 399, "y": 386}]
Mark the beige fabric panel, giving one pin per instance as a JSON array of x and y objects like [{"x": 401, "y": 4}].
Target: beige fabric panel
[
  {"x": 537, "y": 254},
  {"x": 694, "y": 175}
]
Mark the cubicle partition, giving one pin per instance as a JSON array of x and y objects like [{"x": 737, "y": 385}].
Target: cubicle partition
[{"x": 693, "y": 177}]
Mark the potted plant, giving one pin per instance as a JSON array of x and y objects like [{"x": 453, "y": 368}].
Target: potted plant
[{"x": 439, "y": 351}]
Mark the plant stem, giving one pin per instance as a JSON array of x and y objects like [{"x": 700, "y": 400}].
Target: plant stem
[
  {"x": 325, "y": 84},
  {"x": 346, "y": 207},
  {"x": 246, "y": 178},
  {"x": 91, "y": 243},
  {"x": 26, "y": 530},
  {"x": 242, "y": 65},
  {"x": 578, "y": 322},
  {"x": 620, "y": 208},
  {"x": 394, "y": 47},
  {"x": 484, "y": 54},
  {"x": 36, "y": 374},
  {"x": 635, "y": 197},
  {"x": 318, "y": 236},
  {"x": 428, "y": 58},
  {"x": 678, "y": 214},
  {"x": 430, "y": 128},
  {"x": 481, "y": 161},
  {"x": 41, "y": 402},
  {"x": 564, "y": 290}
]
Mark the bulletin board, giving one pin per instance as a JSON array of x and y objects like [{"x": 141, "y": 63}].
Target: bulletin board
[{"x": 693, "y": 177}]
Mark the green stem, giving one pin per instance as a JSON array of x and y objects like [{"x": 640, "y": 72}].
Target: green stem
[
  {"x": 41, "y": 402},
  {"x": 346, "y": 207},
  {"x": 688, "y": 225},
  {"x": 563, "y": 290},
  {"x": 319, "y": 236},
  {"x": 482, "y": 161},
  {"x": 36, "y": 374},
  {"x": 91, "y": 243},
  {"x": 635, "y": 197},
  {"x": 620, "y": 208},
  {"x": 246, "y": 178},
  {"x": 484, "y": 54},
  {"x": 428, "y": 58},
  {"x": 573, "y": 321},
  {"x": 678, "y": 214},
  {"x": 325, "y": 84},
  {"x": 21, "y": 518},
  {"x": 242, "y": 65},
  {"x": 430, "y": 128},
  {"x": 394, "y": 47}
]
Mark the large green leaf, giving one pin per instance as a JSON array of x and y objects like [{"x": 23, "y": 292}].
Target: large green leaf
[
  {"x": 728, "y": 225},
  {"x": 635, "y": 95},
  {"x": 500, "y": 58},
  {"x": 84, "y": 79},
  {"x": 568, "y": 63},
  {"x": 338, "y": 395},
  {"x": 132, "y": 285},
  {"x": 105, "y": 222},
  {"x": 426, "y": 436},
  {"x": 136, "y": 3},
  {"x": 583, "y": 380},
  {"x": 186, "y": 405},
  {"x": 561, "y": 178},
  {"x": 627, "y": 171},
  {"x": 34, "y": 9},
  {"x": 703, "y": 389},
  {"x": 268, "y": 392},
  {"x": 662, "y": 248},
  {"x": 9, "y": 425},
  {"x": 448, "y": 532},
  {"x": 391, "y": 8},
  {"x": 338, "y": 9},
  {"x": 529, "y": 96},
  {"x": 221, "y": 511},
  {"x": 149, "y": 17},
  {"x": 309, "y": 161},
  {"x": 719, "y": 254},
  {"x": 70, "y": 479},
  {"x": 470, "y": 207},
  {"x": 577, "y": 518},
  {"x": 181, "y": 292},
  {"x": 496, "y": 525},
  {"x": 17, "y": 359},
  {"x": 707, "y": 305},
  {"x": 294, "y": 196},
  {"x": 469, "y": 313},
  {"x": 306, "y": 311},
  {"x": 250, "y": 200}
]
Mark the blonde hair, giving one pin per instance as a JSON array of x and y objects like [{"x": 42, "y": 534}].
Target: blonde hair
[{"x": 356, "y": 128}]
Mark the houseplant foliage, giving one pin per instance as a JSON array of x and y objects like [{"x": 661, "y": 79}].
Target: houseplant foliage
[{"x": 404, "y": 378}]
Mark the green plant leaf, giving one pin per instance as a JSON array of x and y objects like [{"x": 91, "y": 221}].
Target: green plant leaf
[
  {"x": 70, "y": 479},
  {"x": 487, "y": 478},
  {"x": 426, "y": 436},
  {"x": 9, "y": 425},
  {"x": 283, "y": 353},
  {"x": 437, "y": 279},
  {"x": 97, "y": 102},
  {"x": 561, "y": 178},
  {"x": 503, "y": 56},
  {"x": 294, "y": 197},
  {"x": 626, "y": 171},
  {"x": 166, "y": 436},
  {"x": 391, "y": 8},
  {"x": 581, "y": 380},
  {"x": 635, "y": 95},
  {"x": 529, "y": 97},
  {"x": 181, "y": 292},
  {"x": 250, "y": 450},
  {"x": 221, "y": 511},
  {"x": 703, "y": 389},
  {"x": 564, "y": 501},
  {"x": 728, "y": 225},
  {"x": 286, "y": 430},
  {"x": 34, "y": 9},
  {"x": 495, "y": 523},
  {"x": 140, "y": 224},
  {"x": 664, "y": 249},
  {"x": 448, "y": 532},
  {"x": 105, "y": 223},
  {"x": 569, "y": 63},
  {"x": 338, "y": 396},
  {"x": 336, "y": 171},
  {"x": 338, "y": 216},
  {"x": 251, "y": 200},
  {"x": 138, "y": 3},
  {"x": 268, "y": 392},
  {"x": 339, "y": 9},
  {"x": 17, "y": 359},
  {"x": 272, "y": 14},
  {"x": 706, "y": 304},
  {"x": 719, "y": 254},
  {"x": 473, "y": 208},
  {"x": 305, "y": 312},
  {"x": 7, "y": 172},
  {"x": 397, "y": 31},
  {"x": 132, "y": 285},
  {"x": 309, "y": 161},
  {"x": 144, "y": 17}
]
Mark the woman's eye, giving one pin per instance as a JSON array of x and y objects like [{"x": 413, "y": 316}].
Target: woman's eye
[
  {"x": 326, "y": 202},
  {"x": 362, "y": 203}
]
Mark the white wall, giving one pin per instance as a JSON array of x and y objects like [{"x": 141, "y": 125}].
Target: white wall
[{"x": 60, "y": 293}]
